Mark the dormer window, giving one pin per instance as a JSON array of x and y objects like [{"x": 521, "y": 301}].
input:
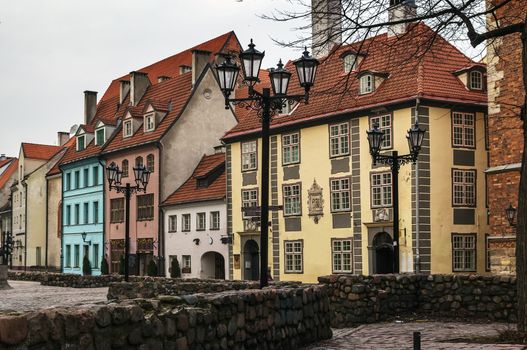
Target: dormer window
[
  {"x": 127, "y": 128},
  {"x": 81, "y": 142},
  {"x": 350, "y": 63},
  {"x": 476, "y": 80},
  {"x": 149, "y": 122},
  {"x": 100, "y": 136},
  {"x": 202, "y": 183},
  {"x": 366, "y": 84}
]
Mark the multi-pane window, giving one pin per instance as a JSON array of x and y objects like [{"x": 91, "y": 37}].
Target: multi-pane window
[
  {"x": 248, "y": 155},
  {"x": 95, "y": 258},
  {"x": 291, "y": 148},
  {"x": 81, "y": 142},
  {"x": 186, "y": 264},
  {"x": 172, "y": 223},
  {"x": 99, "y": 137},
  {"x": 150, "y": 163},
  {"x": 366, "y": 84},
  {"x": 86, "y": 177},
  {"x": 381, "y": 190},
  {"x": 350, "y": 63},
  {"x": 185, "y": 222},
  {"x": 464, "y": 252},
  {"x": 201, "y": 221},
  {"x": 292, "y": 200},
  {"x": 68, "y": 214},
  {"x": 214, "y": 220},
  {"x": 139, "y": 162},
  {"x": 341, "y": 252},
  {"x": 124, "y": 167},
  {"x": 77, "y": 213},
  {"x": 150, "y": 122},
  {"x": 86, "y": 213},
  {"x": 249, "y": 198},
  {"x": 464, "y": 188},
  {"x": 76, "y": 255},
  {"x": 385, "y": 125},
  {"x": 67, "y": 263},
  {"x": 145, "y": 207},
  {"x": 293, "y": 256},
  {"x": 340, "y": 194},
  {"x": 463, "y": 126},
  {"x": 476, "y": 80},
  {"x": 95, "y": 171},
  {"x": 116, "y": 210},
  {"x": 339, "y": 139},
  {"x": 95, "y": 212},
  {"x": 127, "y": 128}
]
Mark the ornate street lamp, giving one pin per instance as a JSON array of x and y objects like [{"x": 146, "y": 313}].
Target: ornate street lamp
[
  {"x": 114, "y": 176},
  {"x": 511, "y": 215},
  {"x": 415, "y": 139},
  {"x": 266, "y": 105}
]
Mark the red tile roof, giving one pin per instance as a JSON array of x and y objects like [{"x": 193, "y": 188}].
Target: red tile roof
[
  {"x": 8, "y": 172},
  {"x": 189, "y": 192},
  {"x": 55, "y": 170},
  {"x": 36, "y": 151},
  {"x": 411, "y": 74},
  {"x": 5, "y": 161}
]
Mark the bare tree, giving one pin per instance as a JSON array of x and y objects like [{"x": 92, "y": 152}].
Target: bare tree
[{"x": 461, "y": 21}]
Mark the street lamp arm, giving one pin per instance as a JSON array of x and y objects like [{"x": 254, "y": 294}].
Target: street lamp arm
[{"x": 394, "y": 160}]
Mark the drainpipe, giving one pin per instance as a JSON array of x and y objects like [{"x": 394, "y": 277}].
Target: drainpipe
[
  {"x": 62, "y": 220},
  {"x": 417, "y": 214},
  {"x": 103, "y": 206},
  {"x": 47, "y": 228},
  {"x": 161, "y": 219}
]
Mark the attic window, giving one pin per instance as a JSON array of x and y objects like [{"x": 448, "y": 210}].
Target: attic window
[
  {"x": 366, "y": 84},
  {"x": 202, "y": 183},
  {"x": 476, "y": 80},
  {"x": 350, "y": 62},
  {"x": 127, "y": 128},
  {"x": 100, "y": 136},
  {"x": 149, "y": 122},
  {"x": 81, "y": 142}
]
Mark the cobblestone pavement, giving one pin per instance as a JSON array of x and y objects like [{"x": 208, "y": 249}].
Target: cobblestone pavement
[
  {"x": 434, "y": 335},
  {"x": 32, "y": 295}
]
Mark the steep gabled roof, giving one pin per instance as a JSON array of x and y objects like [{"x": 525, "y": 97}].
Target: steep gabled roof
[
  {"x": 189, "y": 192},
  {"x": 38, "y": 151},
  {"x": 5, "y": 161},
  {"x": 8, "y": 172},
  {"x": 56, "y": 168},
  {"x": 411, "y": 72}
]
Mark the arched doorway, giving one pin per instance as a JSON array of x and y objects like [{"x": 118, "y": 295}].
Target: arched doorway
[
  {"x": 213, "y": 266},
  {"x": 251, "y": 260},
  {"x": 383, "y": 250}
]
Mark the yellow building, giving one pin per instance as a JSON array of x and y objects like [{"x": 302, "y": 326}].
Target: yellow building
[{"x": 337, "y": 207}]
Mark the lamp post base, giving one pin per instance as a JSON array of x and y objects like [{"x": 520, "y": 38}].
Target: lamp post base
[{"x": 3, "y": 278}]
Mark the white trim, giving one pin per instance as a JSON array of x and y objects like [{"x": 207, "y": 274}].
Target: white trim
[
  {"x": 145, "y": 122},
  {"x": 77, "y": 142},
  {"x": 125, "y": 123},
  {"x": 104, "y": 135}
]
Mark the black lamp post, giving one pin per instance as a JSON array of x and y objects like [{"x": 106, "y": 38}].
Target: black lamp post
[
  {"x": 266, "y": 106},
  {"x": 142, "y": 175},
  {"x": 511, "y": 215},
  {"x": 415, "y": 139}
]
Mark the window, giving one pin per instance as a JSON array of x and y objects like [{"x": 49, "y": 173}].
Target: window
[
  {"x": 172, "y": 223},
  {"x": 185, "y": 222},
  {"x": 463, "y": 125},
  {"x": 95, "y": 175},
  {"x": 116, "y": 210},
  {"x": 68, "y": 181},
  {"x": 68, "y": 215},
  {"x": 200, "y": 221},
  {"x": 86, "y": 213},
  {"x": 95, "y": 212},
  {"x": 293, "y": 256},
  {"x": 381, "y": 190},
  {"x": 100, "y": 137},
  {"x": 291, "y": 148},
  {"x": 464, "y": 252},
  {"x": 292, "y": 200},
  {"x": 214, "y": 220},
  {"x": 95, "y": 258},
  {"x": 339, "y": 139},
  {"x": 76, "y": 256},
  {"x": 77, "y": 179},
  {"x": 67, "y": 263},
  {"x": 124, "y": 168},
  {"x": 249, "y": 198},
  {"x": 385, "y": 125},
  {"x": 186, "y": 264},
  {"x": 366, "y": 84},
  {"x": 139, "y": 162},
  {"x": 86, "y": 177},
  {"x": 487, "y": 253},
  {"x": 77, "y": 213},
  {"x": 145, "y": 207},
  {"x": 149, "y": 122},
  {"x": 249, "y": 155},
  {"x": 150, "y": 163},
  {"x": 350, "y": 63},
  {"x": 127, "y": 128},
  {"x": 464, "y": 188},
  {"x": 476, "y": 80},
  {"x": 81, "y": 140},
  {"x": 340, "y": 194},
  {"x": 202, "y": 183},
  {"x": 341, "y": 253}
]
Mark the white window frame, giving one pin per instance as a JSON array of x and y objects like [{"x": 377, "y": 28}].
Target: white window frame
[
  {"x": 292, "y": 197},
  {"x": 128, "y": 128},
  {"x": 201, "y": 221},
  {"x": 103, "y": 129},
  {"x": 350, "y": 62},
  {"x": 150, "y": 122},
  {"x": 215, "y": 220},
  {"x": 464, "y": 250},
  {"x": 339, "y": 139},
  {"x": 172, "y": 223},
  {"x": 249, "y": 155},
  {"x": 186, "y": 262},
  {"x": 294, "y": 256},
  {"x": 381, "y": 190},
  {"x": 463, "y": 130},
  {"x": 386, "y": 126},
  {"x": 464, "y": 188},
  {"x": 291, "y": 148},
  {"x": 249, "y": 199},
  {"x": 342, "y": 251},
  {"x": 367, "y": 84},
  {"x": 340, "y": 194},
  {"x": 185, "y": 223},
  {"x": 475, "y": 80},
  {"x": 83, "y": 137}
]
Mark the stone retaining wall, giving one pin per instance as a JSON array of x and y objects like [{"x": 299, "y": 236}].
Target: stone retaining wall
[
  {"x": 357, "y": 300},
  {"x": 284, "y": 318}
]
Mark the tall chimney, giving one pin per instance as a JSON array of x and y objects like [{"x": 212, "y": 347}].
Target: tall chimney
[
  {"x": 90, "y": 106},
  {"x": 199, "y": 61},
  {"x": 63, "y": 137},
  {"x": 139, "y": 82},
  {"x": 124, "y": 88},
  {"x": 2, "y": 156},
  {"x": 326, "y": 26},
  {"x": 400, "y": 10}
]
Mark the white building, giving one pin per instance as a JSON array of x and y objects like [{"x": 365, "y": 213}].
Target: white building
[{"x": 195, "y": 222}]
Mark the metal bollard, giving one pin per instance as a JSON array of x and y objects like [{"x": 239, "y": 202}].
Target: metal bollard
[{"x": 417, "y": 340}]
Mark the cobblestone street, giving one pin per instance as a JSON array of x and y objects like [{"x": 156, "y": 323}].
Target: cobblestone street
[
  {"x": 31, "y": 295},
  {"x": 434, "y": 335}
]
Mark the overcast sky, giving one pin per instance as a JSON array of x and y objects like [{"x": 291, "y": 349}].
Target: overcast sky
[{"x": 53, "y": 50}]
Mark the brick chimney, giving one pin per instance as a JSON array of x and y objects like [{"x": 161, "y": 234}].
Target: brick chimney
[
  {"x": 400, "y": 10},
  {"x": 199, "y": 61},
  {"x": 326, "y": 26},
  {"x": 124, "y": 89},
  {"x": 139, "y": 82},
  {"x": 62, "y": 138},
  {"x": 90, "y": 106}
]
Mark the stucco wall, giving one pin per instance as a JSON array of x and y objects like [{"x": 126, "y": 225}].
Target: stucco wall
[{"x": 54, "y": 226}]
